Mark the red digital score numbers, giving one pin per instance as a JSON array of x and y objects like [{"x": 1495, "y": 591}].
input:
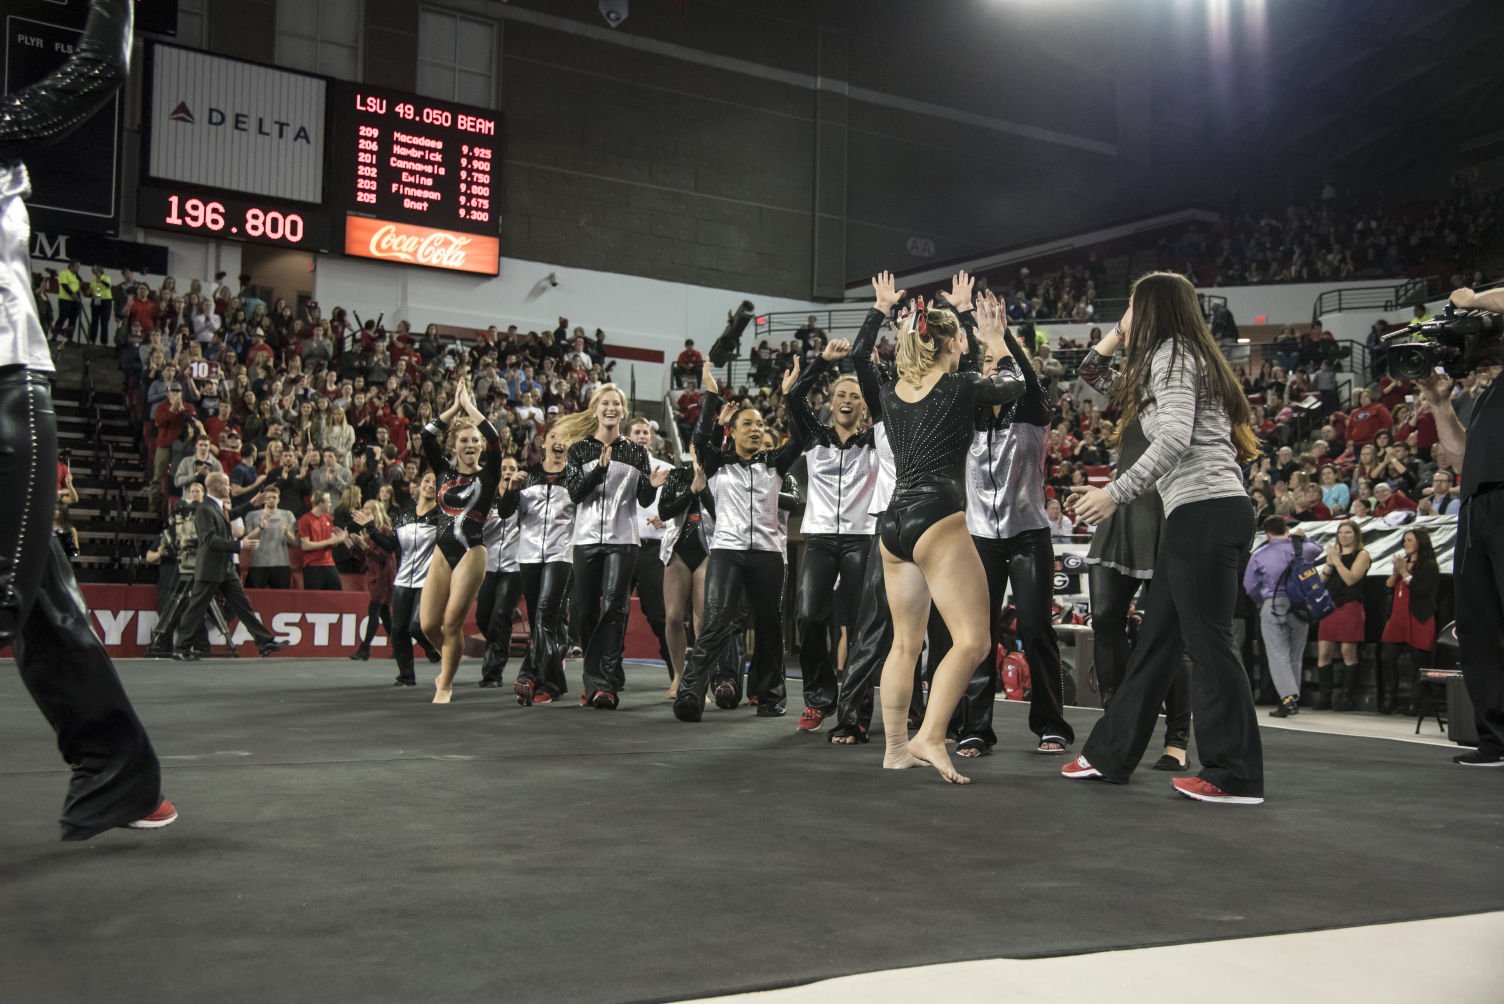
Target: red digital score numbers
[
  {"x": 261, "y": 223},
  {"x": 425, "y": 163}
]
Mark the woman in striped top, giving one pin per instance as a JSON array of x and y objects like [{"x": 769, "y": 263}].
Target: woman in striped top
[{"x": 1178, "y": 385}]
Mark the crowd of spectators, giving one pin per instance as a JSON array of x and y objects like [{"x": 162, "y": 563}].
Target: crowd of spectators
[
  {"x": 1338, "y": 238},
  {"x": 315, "y": 404}
]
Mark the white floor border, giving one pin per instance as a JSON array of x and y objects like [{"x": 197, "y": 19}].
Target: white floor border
[{"x": 1455, "y": 960}]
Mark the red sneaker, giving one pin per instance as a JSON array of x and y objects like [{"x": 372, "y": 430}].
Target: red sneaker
[
  {"x": 725, "y": 695},
  {"x": 164, "y": 815},
  {"x": 1205, "y": 791},
  {"x": 524, "y": 691},
  {"x": 542, "y": 697},
  {"x": 810, "y": 720},
  {"x": 1079, "y": 770}
]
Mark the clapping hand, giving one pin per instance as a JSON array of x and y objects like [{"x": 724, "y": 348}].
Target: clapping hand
[
  {"x": 1090, "y": 505},
  {"x": 884, "y": 293},
  {"x": 837, "y": 350},
  {"x": 360, "y": 517},
  {"x": 961, "y": 286},
  {"x": 658, "y": 477},
  {"x": 606, "y": 455},
  {"x": 992, "y": 320},
  {"x": 791, "y": 376}
]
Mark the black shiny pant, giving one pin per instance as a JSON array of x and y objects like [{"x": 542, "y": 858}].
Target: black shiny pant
[
  {"x": 116, "y": 778},
  {"x": 1027, "y": 561},
  {"x": 732, "y": 576},
  {"x": 647, "y": 579},
  {"x": 602, "y": 595},
  {"x": 377, "y": 613},
  {"x": 827, "y": 558},
  {"x": 867, "y": 647},
  {"x": 1480, "y": 613},
  {"x": 495, "y": 606},
  {"x": 1112, "y": 594},
  {"x": 546, "y": 587},
  {"x": 406, "y": 631},
  {"x": 1204, "y": 545}
]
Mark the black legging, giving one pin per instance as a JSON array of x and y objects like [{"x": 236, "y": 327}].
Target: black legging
[
  {"x": 116, "y": 778},
  {"x": 602, "y": 592},
  {"x": 647, "y": 579},
  {"x": 405, "y": 631},
  {"x": 866, "y": 651},
  {"x": 827, "y": 557},
  {"x": 1027, "y": 561},
  {"x": 1203, "y": 545},
  {"x": 546, "y": 587},
  {"x": 376, "y": 611},
  {"x": 494, "y": 609},
  {"x": 1389, "y": 674},
  {"x": 1112, "y": 594},
  {"x": 734, "y": 576}
]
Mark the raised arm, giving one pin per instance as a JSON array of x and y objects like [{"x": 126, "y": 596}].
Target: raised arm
[
  {"x": 1096, "y": 370},
  {"x": 801, "y": 415},
  {"x": 53, "y": 107},
  {"x": 432, "y": 440},
  {"x": 706, "y": 449}
]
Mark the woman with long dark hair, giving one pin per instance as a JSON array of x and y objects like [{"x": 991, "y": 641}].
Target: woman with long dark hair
[
  {"x": 1411, "y": 628},
  {"x": 685, "y": 507},
  {"x": 608, "y": 477},
  {"x": 1347, "y": 562},
  {"x": 377, "y": 547},
  {"x": 1121, "y": 559},
  {"x": 415, "y": 531},
  {"x": 466, "y": 493},
  {"x": 927, "y": 553},
  {"x": 747, "y": 553},
  {"x": 1176, "y": 382}
]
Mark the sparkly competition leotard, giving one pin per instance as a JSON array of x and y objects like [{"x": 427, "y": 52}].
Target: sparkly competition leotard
[
  {"x": 930, "y": 439},
  {"x": 464, "y": 499}
]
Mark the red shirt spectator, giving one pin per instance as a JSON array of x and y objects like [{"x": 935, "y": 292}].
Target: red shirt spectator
[
  {"x": 170, "y": 417},
  {"x": 1388, "y": 500},
  {"x": 145, "y": 311},
  {"x": 260, "y": 352},
  {"x": 317, "y": 528},
  {"x": 1425, "y": 431},
  {"x": 690, "y": 359},
  {"x": 1367, "y": 421}
]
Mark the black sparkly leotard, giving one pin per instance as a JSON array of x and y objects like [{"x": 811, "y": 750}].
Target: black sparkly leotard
[
  {"x": 930, "y": 438},
  {"x": 464, "y": 499}
]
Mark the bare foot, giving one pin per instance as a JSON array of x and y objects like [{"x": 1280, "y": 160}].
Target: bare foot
[
  {"x": 972, "y": 751},
  {"x": 901, "y": 760},
  {"x": 441, "y": 693},
  {"x": 938, "y": 757},
  {"x": 671, "y": 693},
  {"x": 843, "y": 740}
]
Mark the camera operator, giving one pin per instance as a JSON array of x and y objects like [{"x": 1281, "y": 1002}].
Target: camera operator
[{"x": 1479, "y": 556}]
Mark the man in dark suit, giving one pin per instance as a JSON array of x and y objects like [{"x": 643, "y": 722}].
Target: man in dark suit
[{"x": 216, "y": 574}]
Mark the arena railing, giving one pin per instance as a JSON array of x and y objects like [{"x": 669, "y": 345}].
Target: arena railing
[{"x": 1389, "y": 296}]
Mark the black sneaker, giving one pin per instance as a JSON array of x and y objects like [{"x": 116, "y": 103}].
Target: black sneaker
[
  {"x": 1478, "y": 758},
  {"x": 603, "y": 700},
  {"x": 490, "y": 683},
  {"x": 399, "y": 682},
  {"x": 271, "y": 646},
  {"x": 725, "y": 695},
  {"x": 187, "y": 655},
  {"x": 771, "y": 711},
  {"x": 1289, "y": 706},
  {"x": 689, "y": 708},
  {"x": 361, "y": 655}
]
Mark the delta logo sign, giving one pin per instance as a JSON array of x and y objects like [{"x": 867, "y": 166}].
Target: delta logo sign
[{"x": 218, "y": 118}]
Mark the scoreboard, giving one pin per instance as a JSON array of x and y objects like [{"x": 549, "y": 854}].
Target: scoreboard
[
  {"x": 416, "y": 179},
  {"x": 244, "y": 152}
]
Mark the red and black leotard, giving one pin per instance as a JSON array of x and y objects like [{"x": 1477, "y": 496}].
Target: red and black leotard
[{"x": 464, "y": 499}]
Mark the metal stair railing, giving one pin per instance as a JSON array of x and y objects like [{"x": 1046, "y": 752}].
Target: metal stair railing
[{"x": 1389, "y": 296}]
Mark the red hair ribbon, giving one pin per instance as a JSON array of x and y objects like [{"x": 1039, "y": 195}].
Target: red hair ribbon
[{"x": 921, "y": 318}]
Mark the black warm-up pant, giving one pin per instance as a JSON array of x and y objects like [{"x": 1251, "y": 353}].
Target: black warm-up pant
[
  {"x": 602, "y": 595},
  {"x": 827, "y": 558},
  {"x": 376, "y": 613},
  {"x": 116, "y": 778},
  {"x": 732, "y": 576},
  {"x": 1197, "y": 568},
  {"x": 546, "y": 587},
  {"x": 647, "y": 579},
  {"x": 1479, "y": 571},
  {"x": 1027, "y": 561},
  {"x": 1112, "y": 594},
  {"x": 237, "y": 603},
  {"x": 495, "y": 606},
  {"x": 325, "y": 577},
  {"x": 269, "y": 577},
  {"x": 405, "y": 631}
]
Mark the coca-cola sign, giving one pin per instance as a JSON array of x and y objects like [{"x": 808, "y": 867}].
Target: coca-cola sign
[{"x": 410, "y": 244}]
